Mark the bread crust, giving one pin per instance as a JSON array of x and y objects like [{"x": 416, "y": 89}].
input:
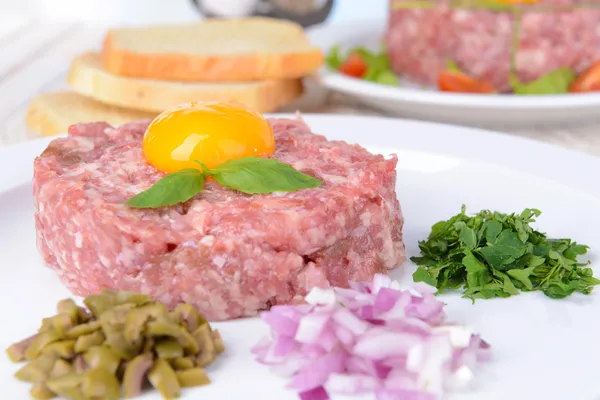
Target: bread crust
[
  {"x": 87, "y": 77},
  {"x": 52, "y": 113},
  {"x": 189, "y": 66}
]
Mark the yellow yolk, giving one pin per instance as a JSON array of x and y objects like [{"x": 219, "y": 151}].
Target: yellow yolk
[{"x": 208, "y": 132}]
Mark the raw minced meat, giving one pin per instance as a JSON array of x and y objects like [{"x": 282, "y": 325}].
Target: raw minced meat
[
  {"x": 225, "y": 252},
  {"x": 420, "y": 41}
]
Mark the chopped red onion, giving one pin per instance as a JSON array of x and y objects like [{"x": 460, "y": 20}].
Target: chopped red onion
[
  {"x": 314, "y": 394},
  {"x": 370, "y": 338}
]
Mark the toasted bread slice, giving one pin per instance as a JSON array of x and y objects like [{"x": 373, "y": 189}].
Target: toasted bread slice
[
  {"x": 52, "y": 113},
  {"x": 216, "y": 50},
  {"x": 88, "y": 78}
]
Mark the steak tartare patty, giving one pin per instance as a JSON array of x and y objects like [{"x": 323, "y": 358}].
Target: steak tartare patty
[
  {"x": 421, "y": 41},
  {"x": 227, "y": 253}
]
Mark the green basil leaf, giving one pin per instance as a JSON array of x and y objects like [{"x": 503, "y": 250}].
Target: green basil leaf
[
  {"x": 452, "y": 66},
  {"x": 174, "y": 188},
  {"x": 492, "y": 5},
  {"x": 334, "y": 59},
  {"x": 378, "y": 61},
  {"x": 387, "y": 77},
  {"x": 555, "y": 82},
  {"x": 254, "y": 175}
]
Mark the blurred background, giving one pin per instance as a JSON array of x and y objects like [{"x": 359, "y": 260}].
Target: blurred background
[
  {"x": 41, "y": 42},
  {"x": 132, "y": 12}
]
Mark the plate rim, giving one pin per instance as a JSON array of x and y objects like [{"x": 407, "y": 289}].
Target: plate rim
[
  {"x": 574, "y": 168},
  {"x": 362, "y": 88}
]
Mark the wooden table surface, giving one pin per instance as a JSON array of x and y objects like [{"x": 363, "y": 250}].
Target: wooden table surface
[{"x": 35, "y": 57}]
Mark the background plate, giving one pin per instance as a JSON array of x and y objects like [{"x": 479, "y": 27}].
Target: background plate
[
  {"x": 542, "y": 348},
  {"x": 410, "y": 100}
]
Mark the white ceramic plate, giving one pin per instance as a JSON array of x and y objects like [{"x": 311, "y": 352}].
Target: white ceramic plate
[
  {"x": 410, "y": 100},
  {"x": 543, "y": 349}
]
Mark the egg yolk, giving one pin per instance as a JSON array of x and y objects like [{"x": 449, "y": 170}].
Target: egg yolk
[{"x": 209, "y": 132}]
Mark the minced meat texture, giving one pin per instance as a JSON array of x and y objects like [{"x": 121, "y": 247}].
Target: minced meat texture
[{"x": 227, "y": 253}]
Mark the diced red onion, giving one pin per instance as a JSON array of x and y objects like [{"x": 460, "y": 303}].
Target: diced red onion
[
  {"x": 352, "y": 383},
  {"x": 402, "y": 394},
  {"x": 314, "y": 394},
  {"x": 283, "y": 324},
  {"x": 283, "y": 346},
  {"x": 311, "y": 327},
  {"x": 318, "y": 371},
  {"x": 370, "y": 338}
]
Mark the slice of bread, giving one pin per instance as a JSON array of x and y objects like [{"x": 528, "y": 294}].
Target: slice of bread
[
  {"x": 88, "y": 78},
  {"x": 52, "y": 113},
  {"x": 216, "y": 50}
]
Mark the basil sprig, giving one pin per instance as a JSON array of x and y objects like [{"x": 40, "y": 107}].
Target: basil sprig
[{"x": 249, "y": 175}]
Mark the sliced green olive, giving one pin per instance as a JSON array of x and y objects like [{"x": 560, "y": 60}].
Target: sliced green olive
[
  {"x": 192, "y": 377},
  {"x": 67, "y": 306},
  {"x": 168, "y": 349},
  {"x": 218, "y": 341},
  {"x": 16, "y": 352},
  {"x": 137, "y": 319},
  {"x": 84, "y": 342},
  {"x": 36, "y": 370},
  {"x": 122, "y": 347},
  {"x": 149, "y": 344},
  {"x": 99, "y": 303},
  {"x": 39, "y": 391},
  {"x": 121, "y": 338},
  {"x": 60, "y": 368},
  {"x": 183, "y": 363},
  {"x": 164, "y": 380},
  {"x": 185, "y": 339},
  {"x": 67, "y": 386},
  {"x": 208, "y": 353},
  {"x": 83, "y": 329},
  {"x": 113, "y": 320},
  {"x": 133, "y": 298},
  {"x": 189, "y": 317},
  {"x": 79, "y": 364},
  {"x": 102, "y": 356},
  {"x": 42, "y": 340},
  {"x": 63, "y": 349},
  {"x": 136, "y": 371},
  {"x": 100, "y": 383}
]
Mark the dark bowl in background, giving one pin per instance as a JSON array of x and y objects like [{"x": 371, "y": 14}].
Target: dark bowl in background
[{"x": 303, "y": 12}]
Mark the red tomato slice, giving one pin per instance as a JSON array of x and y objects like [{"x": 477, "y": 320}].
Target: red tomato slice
[
  {"x": 354, "y": 66},
  {"x": 454, "y": 81},
  {"x": 587, "y": 81}
]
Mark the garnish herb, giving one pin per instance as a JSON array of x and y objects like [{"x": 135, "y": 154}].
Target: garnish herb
[
  {"x": 250, "y": 175},
  {"x": 174, "y": 188},
  {"x": 333, "y": 58},
  {"x": 452, "y": 66},
  {"x": 377, "y": 64},
  {"x": 492, "y": 254},
  {"x": 554, "y": 82}
]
